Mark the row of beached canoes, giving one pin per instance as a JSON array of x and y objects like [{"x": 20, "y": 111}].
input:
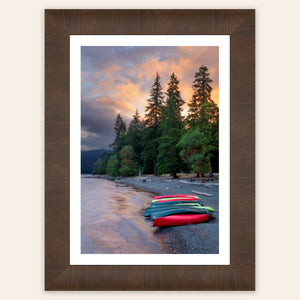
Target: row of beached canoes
[{"x": 175, "y": 210}]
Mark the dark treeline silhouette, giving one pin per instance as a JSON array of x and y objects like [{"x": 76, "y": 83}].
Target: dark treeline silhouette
[{"x": 165, "y": 142}]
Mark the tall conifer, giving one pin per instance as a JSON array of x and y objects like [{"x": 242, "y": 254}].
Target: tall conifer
[
  {"x": 152, "y": 121},
  {"x": 203, "y": 112},
  {"x": 202, "y": 93},
  {"x": 134, "y": 137},
  {"x": 154, "y": 106},
  {"x": 120, "y": 133},
  {"x": 169, "y": 160}
]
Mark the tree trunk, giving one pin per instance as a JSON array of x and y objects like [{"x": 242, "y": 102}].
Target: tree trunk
[
  {"x": 197, "y": 174},
  {"x": 174, "y": 175},
  {"x": 210, "y": 169},
  {"x": 199, "y": 171}
]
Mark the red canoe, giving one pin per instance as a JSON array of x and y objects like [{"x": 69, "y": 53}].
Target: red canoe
[
  {"x": 178, "y": 199},
  {"x": 173, "y": 196},
  {"x": 175, "y": 220}
]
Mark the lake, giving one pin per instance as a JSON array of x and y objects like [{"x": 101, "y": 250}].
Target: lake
[{"x": 112, "y": 219}]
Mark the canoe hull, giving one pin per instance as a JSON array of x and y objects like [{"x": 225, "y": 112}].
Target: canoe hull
[
  {"x": 151, "y": 209},
  {"x": 175, "y": 199},
  {"x": 177, "y": 220},
  {"x": 174, "y": 196},
  {"x": 158, "y": 204},
  {"x": 179, "y": 211}
]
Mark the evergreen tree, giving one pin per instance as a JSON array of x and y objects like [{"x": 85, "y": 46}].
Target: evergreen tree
[
  {"x": 149, "y": 153},
  {"x": 169, "y": 160},
  {"x": 152, "y": 121},
  {"x": 128, "y": 168},
  {"x": 195, "y": 149},
  {"x": 120, "y": 134},
  {"x": 134, "y": 137},
  {"x": 154, "y": 106},
  {"x": 202, "y": 94},
  {"x": 105, "y": 158},
  {"x": 98, "y": 167},
  {"x": 113, "y": 166},
  {"x": 203, "y": 112},
  {"x": 209, "y": 123}
]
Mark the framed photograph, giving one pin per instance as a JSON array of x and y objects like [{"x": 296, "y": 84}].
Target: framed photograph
[{"x": 150, "y": 150}]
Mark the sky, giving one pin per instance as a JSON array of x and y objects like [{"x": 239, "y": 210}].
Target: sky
[{"x": 119, "y": 80}]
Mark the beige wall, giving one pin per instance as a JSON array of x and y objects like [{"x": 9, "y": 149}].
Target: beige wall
[{"x": 21, "y": 156}]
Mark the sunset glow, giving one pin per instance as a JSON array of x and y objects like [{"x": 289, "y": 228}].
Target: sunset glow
[{"x": 119, "y": 79}]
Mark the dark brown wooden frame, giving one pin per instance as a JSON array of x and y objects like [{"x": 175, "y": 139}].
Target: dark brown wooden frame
[{"x": 240, "y": 25}]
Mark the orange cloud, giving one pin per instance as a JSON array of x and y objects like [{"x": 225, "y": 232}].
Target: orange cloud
[
  {"x": 127, "y": 96},
  {"x": 129, "y": 91},
  {"x": 132, "y": 97},
  {"x": 186, "y": 91},
  {"x": 149, "y": 69},
  {"x": 124, "y": 106},
  {"x": 183, "y": 67},
  {"x": 215, "y": 95},
  {"x": 103, "y": 99},
  {"x": 111, "y": 68},
  {"x": 124, "y": 98},
  {"x": 103, "y": 86}
]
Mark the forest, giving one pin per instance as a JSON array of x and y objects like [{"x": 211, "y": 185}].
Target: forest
[{"x": 165, "y": 141}]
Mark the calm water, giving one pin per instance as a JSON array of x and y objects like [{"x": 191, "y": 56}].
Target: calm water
[{"x": 113, "y": 220}]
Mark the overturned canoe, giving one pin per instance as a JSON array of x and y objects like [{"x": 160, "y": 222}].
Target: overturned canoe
[
  {"x": 154, "y": 204},
  {"x": 175, "y": 199},
  {"x": 157, "y": 208},
  {"x": 179, "y": 211},
  {"x": 152, "y": 209},
  {"x": 173, "y": 196},
  {"x": 184, "y": 219}
]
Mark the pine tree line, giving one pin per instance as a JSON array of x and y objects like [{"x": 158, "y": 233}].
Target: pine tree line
[{"x": 165, "y": 142}]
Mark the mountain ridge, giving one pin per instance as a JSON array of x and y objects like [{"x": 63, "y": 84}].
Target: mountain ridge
[{"x": 88, "y": 158}]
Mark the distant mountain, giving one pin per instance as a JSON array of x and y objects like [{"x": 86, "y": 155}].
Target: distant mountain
[{"x": 88, "y": 158}]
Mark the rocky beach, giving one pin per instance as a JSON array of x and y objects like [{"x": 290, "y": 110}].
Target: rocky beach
[{"x": 194, "y": 238}]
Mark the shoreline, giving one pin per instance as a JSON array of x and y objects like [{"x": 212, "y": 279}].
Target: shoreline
[
  {"x": 141, "y": 185},
  {"x": 200, "y": 238},
  {"x": 166, "y": 185}
]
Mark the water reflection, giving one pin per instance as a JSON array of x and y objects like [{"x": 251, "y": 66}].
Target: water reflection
[{"x": 113, "y": 222}]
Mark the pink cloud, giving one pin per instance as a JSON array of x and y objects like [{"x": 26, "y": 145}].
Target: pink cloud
[
  {"x": 124, "y": 106},
  {"x": 184, "y": 65},
  {"x": 124, "y": 98},
  {"x": 129, "y": 95}
]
